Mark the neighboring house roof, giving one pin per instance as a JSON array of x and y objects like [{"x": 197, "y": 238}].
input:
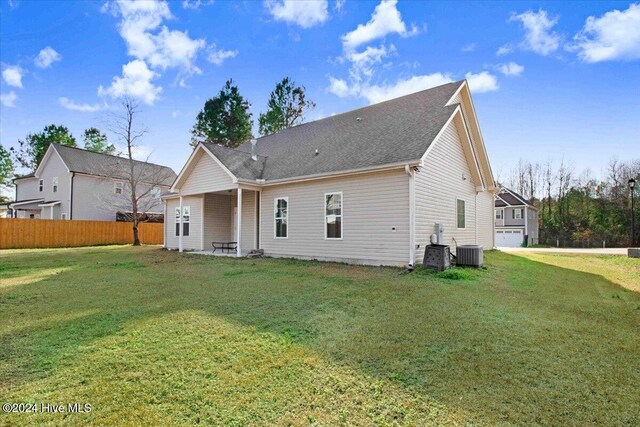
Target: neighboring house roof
[
  {"x": 391, "y": 132},
  {"x": 508, "y": 197},
  {"x": 106, "y": 165},
  {"x": 90, "y": 163},
  {"x": 29, "y": 175}
]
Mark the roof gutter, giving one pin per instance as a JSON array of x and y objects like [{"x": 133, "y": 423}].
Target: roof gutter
[{"x": 391, "y": 166}]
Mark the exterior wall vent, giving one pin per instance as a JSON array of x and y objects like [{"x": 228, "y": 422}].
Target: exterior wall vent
[{"x": 470, "y": 255}]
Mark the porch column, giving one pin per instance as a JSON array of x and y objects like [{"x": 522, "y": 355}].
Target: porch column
[
  {"x": 180, "y": 228},
  {"x": 239, "y": 220}
]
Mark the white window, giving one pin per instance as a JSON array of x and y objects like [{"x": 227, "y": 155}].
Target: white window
[
  {"x": 281, "y": 217},
  {"x": 55, "y": 184},
  {"x": 118, "y": 187},
  {"x": 177, "y": 221},
  {"x": 333, "y": 216},
  {"x": 155, "y": 192},
  {"x": 516, "y": 213},
  {"x": 64, "y": 215},
  {"x": 186, "y": 217},
  {"x": 461, "y": 213},
  {"x": 41, "y": 185},
  {"x": 499, "y": 213}
]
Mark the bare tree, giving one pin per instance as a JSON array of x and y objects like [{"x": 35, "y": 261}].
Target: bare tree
[{"x": 139, "y": 188}]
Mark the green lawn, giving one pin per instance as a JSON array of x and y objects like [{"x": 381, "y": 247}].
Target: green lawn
[{"x": 150, "y": 337}]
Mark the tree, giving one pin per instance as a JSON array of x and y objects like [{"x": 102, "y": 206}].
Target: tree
[
  {"x": 33, "y": 147},
  {"x": 96, "y": 141},
  {"x": 6, "y": 170},
  {"x": 141, "y": 179},
  {"x": 286, "y": 107},
  {"x": 224, "y": 120}
]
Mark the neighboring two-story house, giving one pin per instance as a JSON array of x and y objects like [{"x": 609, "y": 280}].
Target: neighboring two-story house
[
  {"x": 516, "y": 220},
  {"x": 72, "y": 183}
]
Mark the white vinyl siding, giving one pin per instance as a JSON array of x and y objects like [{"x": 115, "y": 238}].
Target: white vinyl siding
[
  {"x": 194, "y": 240},
  {"x": 218, "y": 226},
  {"x": 438, "y": 185},
  {"x": 205, "y": 176},
  {"x": 485, "y": 225},
  {"x": 376, "y": 214}
]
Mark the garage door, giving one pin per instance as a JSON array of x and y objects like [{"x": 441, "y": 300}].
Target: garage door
[{"x": 509, "y": 238}]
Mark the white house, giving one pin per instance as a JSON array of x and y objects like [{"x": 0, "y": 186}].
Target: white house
[
  {"x": 516, "y": 220},
  {"x": 367, "y": 186},
  {"x": 72, "y": 183}
]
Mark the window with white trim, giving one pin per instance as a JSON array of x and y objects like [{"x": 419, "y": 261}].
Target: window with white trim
[
  {"x": 333, "y": 216},
  {"x": 155, "y": 192},
  {"x": 186, "y": 219},
  {"x": 499, "y": 213},
  {"x": 41, "y": 185},
  {"x": 64, "y": 215},
  {"x": 177, "y": 221},
  {"x": 517, "y": 213},
  {"x": 55, "y": 184},
  {"x": 281, "y": 217},
  {"x": 118, "y": 187},
  {"x": 461, "y": 214}
]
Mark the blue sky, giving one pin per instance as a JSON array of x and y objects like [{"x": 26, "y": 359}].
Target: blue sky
[{"x": 549, "y": 79}]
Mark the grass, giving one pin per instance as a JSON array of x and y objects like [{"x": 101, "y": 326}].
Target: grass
[{"x": 150, "y": 337}]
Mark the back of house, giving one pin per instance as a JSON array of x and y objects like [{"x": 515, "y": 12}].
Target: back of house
[{"x": 370, "y": 186}]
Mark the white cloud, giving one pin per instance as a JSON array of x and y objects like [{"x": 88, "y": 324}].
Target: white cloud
[
  {"x": 503, "y": 50},
  {"x": 154, "y": 46},
  {"x": 338, "y": 87},
  {"x": 12, "y": 75},
  {"x": 9, "y": 99},
  {"x": 469, "y": 48},
  {"x": 375, "y": 94},
  {"x": 46, "y": 57},
  {"x": 482, "y": 82},
  {"x": 195, "y": 4},
  {"x": 217, "y": 57},
  {"x": 511, "y": 69},
  {"x": 303, "y": 13},
  {"x": 385, "y": 20},
  {"x": 539, "y": 35},
  {"x": 136, "y": 82},
  {"x": 339, "y": 5},
  {"x": 613, "y": 36},
  {"x": 84, "y": 108},
  {"x": 362, "y": 62}
]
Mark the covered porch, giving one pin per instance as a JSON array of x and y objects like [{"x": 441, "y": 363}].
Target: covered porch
[{"x": 229, "y": 218}]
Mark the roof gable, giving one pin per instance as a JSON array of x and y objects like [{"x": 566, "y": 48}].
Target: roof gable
[{"x": 192, "y": 163}]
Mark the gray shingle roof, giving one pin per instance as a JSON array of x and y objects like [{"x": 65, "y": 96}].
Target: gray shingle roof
[
  {"x": 512, "y": 198},
  {"x": 238, "y": 162},
  {"x": 88, "y": 162},
  {"x": 394, "y": 131}
]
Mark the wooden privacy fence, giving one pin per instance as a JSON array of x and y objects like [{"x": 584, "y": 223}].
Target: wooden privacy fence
[{"x": 52, "y": 233}]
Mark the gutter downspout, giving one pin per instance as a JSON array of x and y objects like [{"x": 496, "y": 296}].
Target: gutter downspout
[
  {"x": 412, "y": 217},
  {"x": 73, "y": 174}
]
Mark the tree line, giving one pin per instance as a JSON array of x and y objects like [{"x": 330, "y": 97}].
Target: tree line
[{"x": 575, "y": 207}]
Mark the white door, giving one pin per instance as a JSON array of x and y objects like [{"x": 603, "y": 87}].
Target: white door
[{"x": 509, "y": 238}]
